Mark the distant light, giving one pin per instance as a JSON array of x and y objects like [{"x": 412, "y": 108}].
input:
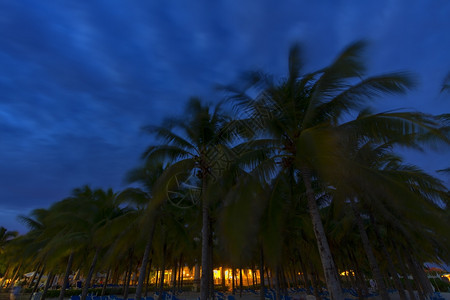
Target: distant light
[{"x": 348, "y": 273}]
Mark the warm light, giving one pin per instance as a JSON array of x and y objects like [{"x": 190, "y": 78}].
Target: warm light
[
  {"x": 348, "y": 273},
  {"x": 217, "y": 275}
]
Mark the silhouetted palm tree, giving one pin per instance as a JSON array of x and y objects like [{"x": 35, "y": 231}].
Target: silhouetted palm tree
[
  {"x": 191, "y": 145},
  {"x": 306, "y": 115}
]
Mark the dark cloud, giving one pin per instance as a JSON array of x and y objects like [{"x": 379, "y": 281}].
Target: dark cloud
[{"x": 79, "y": 79}]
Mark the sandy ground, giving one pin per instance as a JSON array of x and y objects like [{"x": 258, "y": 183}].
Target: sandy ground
[
  {"x": 245, "y": 296},
  {"x": 295, "y": 296}
]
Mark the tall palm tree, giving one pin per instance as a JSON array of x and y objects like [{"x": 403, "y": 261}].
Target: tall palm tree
[
  {"x": 191, "y": 144},
  {"x": 397, "y": 183},
  {"x": 99, "y": 207},
  {"x": 6, "y": 237},
  {"x": 147, "y": 177},
  {"x": 304, "y": 117}
]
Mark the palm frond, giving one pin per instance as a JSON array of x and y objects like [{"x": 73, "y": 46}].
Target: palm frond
[
  {"x": 167, "y": 183},
  {"x": 166, "y": 135},
  {"x": 163, "y": 153},
  {"x": 446, "y": 83},
  {"x": 357, "y": 95}
]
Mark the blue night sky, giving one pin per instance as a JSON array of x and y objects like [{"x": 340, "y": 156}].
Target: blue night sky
[{"x": 78, "y": 79}]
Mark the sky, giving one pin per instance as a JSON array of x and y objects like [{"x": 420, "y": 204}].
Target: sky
[{"x": 79, "y": 79}]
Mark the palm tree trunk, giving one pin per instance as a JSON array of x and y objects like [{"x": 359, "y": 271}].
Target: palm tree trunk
[
  {"x": 85, "y": 290},
  {"x": 416, "y": 282},
  {"x": 163, "y": 271},
  {"x": 205, "y": 280},
  {"x": 315, "y": 284},
  {"x": 37, "y": 282},
  {"x": 222, "y": 275},
  {"x": 174, "y": 279},
  {"x": 405, "y": 275},
  {"x": 369, "y": 252},
  {"x": 254, "y": 277},
  {"x": 115, "y": 276},
  {"x": 148, "y": 277},
  {"x": 105, "y": 284},
  {"x": 329, "y": 268},
  {"x": 305, "y": 274},
  {"x": 261, "y": 276},
  {"x": 180, "y": 272},
  {"x": 181, "y": 278},
  {"x": 128, "y": 276},
  {"x": 5, "y": 276},
  {"x": 240, "y": 281},
  {"x": 294, "y": 275},
  {"x": 142, "y": 270},
  {"x": 286, "y": 279},
  {"x": 211, "y": 263},
  {"x": 66, "y": 277},
  {"x": 161, "y": 281},
  {"x": 232, "y": 280},
  {"x": 34, "y": 275},
  {"x": 156, "y": 279},
  {"x": 124, "y": 283},
  {"x": 423, "y": 279},
  {"x": 277, "y": 283},
  {"x": 8, "y": 267},
  {"x": 50, "y": 278},
  {"x": 15, "y": 275},
  {"x": 197, "y": 278},
  {"x": 361, "y": 285},
  {"x": 397, "y": 283},
  {"x": 269, "y": 278},
  {"x": 420, "y": 286}
]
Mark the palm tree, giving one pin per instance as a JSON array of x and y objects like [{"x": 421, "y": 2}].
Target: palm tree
[
  {"x": 99, "y": 207},
  {"x": 68, "y": 231},
  {"x": 304, "y": 118},
  {"x": 6, "y": 237},
  {"x": 397, "y": 183},
  {"x": 147, "y": 177},
  {"x": 67, "y": 227},
  {"x": 36, "y": 241},
  {"x": 203, "y": 130}
]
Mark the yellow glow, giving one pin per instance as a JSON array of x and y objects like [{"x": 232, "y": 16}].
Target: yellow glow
[
  {"x": 447, "y": 276},
  {"x": 348, "y": 273},
  {"x": 188, "y": 274}
]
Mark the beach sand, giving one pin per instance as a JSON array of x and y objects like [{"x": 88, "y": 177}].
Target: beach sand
[
  {"x": 245, "y": 296},
  {"x": 295, "y": 296}
]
